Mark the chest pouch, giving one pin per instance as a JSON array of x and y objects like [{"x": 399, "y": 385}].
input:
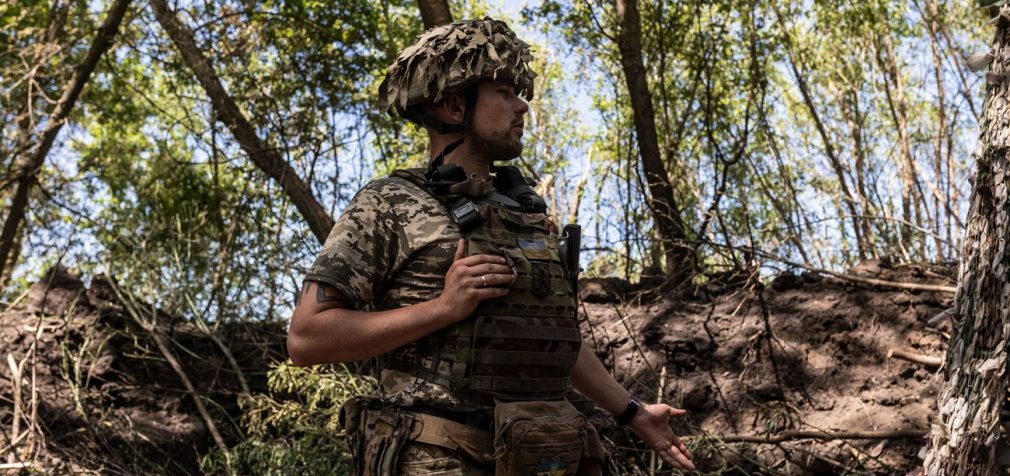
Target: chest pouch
[{"x": 548, "y": 438}]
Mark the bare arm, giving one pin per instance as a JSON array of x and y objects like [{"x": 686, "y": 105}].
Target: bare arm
[
  {"x": 651, "y": 424},
  {"x": 592, "y": 379},
  {"x": 324, "y": 329}
]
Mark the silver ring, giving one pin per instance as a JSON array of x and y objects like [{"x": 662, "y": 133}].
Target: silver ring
[{"x": 483, "y": 281}]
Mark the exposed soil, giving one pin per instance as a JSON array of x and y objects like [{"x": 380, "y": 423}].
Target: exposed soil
[
  {"x": 108, "y": 402},
  {"x": 807, "y": 353}
]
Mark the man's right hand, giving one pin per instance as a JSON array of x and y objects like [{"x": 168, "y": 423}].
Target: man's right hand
[{"x": 472, "y": 279}]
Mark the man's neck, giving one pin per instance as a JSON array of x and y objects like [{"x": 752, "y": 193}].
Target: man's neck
[{"x": 472, "y": 161}]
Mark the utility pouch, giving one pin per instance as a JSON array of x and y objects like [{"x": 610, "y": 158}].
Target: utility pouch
[
  {"x": 544, "y": 438},
  {"x": 375, "y": 435}
]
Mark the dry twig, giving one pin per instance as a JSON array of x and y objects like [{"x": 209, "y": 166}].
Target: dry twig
[
  {"x": 928, "y": 361},
  {"x": 162, "y": 342},
  {"x": 792, "y": 435}
]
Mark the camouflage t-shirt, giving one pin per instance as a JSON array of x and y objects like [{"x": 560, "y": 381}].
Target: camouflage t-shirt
[{"x": 390, "y": 248}]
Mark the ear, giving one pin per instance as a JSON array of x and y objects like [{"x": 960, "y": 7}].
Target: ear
[{"x": 452, "y": 108}]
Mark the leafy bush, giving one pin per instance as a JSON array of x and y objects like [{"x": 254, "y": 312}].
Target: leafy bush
[{"x": 294, "y": 429}]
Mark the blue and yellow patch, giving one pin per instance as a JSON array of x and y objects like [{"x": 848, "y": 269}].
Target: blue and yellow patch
[
  {"x": 535, "y": 249},
  {"x": 551, "y": 467}
]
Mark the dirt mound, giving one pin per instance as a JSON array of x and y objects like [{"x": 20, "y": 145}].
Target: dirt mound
[
  {"x": 100, "y": 396},
  {"x": 807, "y": 353}
]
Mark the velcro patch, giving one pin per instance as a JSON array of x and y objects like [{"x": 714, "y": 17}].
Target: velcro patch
[
  {"x": 551, "y": 467},
  {"x": 535, "y": 249},
  {"x": 541, "y": 276}
]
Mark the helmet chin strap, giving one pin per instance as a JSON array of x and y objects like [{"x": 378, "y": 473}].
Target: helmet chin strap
[
  {"x": 436, "y": 163},
  {"x": 445, "y": 151}
]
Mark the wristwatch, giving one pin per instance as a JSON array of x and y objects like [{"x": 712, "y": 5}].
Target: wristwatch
[{"x": 629, "y": 412}]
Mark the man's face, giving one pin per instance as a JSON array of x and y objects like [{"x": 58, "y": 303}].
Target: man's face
[{"x": 496, "y": 126}]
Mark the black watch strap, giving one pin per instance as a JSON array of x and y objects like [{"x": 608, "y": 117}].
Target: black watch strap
[{"x": 629, "y": 412}]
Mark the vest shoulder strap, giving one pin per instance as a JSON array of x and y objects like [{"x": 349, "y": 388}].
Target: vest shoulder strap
[
  {"x": 414, "y": 176},
  {"x": 462, "y": 209}
]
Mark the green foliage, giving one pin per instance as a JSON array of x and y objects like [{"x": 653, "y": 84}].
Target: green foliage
[{"x": 294, "y": 429}]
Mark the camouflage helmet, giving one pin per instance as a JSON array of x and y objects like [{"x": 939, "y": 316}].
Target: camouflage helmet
[{"x": 449, "y": 58}]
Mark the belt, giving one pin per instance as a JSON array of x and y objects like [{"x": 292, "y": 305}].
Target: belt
[
  {"x": 434, "y": 430},
  {"x": 475, "y": 419}
]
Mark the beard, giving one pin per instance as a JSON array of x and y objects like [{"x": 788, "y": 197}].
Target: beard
[{"x": 495, "y": 147}]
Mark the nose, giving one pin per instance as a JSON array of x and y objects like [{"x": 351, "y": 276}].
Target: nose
[{"x": 523, "y": 106}]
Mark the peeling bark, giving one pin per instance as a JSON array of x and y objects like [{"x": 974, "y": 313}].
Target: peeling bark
[{"x": 964, "y": 440}]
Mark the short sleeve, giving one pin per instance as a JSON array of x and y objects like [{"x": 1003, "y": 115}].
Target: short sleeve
[{"x": 359, "y": 253}]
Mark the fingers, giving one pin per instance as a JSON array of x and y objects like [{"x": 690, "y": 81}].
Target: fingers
[
  {"x": 675, "y": 412},
  {"x": 460, "y": 250},
  {"x": 484, "y": 269},
  {"x": 681, "y": 446},
  {"x": 476, "y": 260},
  {"x": 679, "y": 460},
  {"x": 492, "y": 280},
  {"x": 674, "y": 455}
]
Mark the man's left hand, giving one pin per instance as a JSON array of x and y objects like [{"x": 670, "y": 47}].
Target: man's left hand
[{"x": 652, "y": 425}]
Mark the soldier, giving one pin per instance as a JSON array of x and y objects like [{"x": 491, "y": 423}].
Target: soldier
[{"x": 454, "y": 277}]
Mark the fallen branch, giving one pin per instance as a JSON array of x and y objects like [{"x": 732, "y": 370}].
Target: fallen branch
[
  {"x": 848, "y": 277},
  {"x": 927, "y": 361},
  {"x": 890, "y": 284},
  {"x": 859, "y": 279},
  {"x": 792, "y": 435},
  {"x": 17, "y": 300}
]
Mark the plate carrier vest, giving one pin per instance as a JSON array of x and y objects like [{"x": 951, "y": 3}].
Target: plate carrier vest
[{"x": 519, "y": 347}]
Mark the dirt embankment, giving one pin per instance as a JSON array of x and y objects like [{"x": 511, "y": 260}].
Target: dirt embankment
[
  {"x": 98, "y": 396},
  {"x": 806, "y": 354}
]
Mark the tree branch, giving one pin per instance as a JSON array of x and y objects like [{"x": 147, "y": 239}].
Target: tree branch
[
  {"x": 27, "y": 167},
  {"x": 264, "y": 156},
  {"x": 679, "y": 254}
]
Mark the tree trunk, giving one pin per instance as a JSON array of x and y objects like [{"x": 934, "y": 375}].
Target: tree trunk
[
  {"x": 975, "y": 373},
  {"x": 264, "y": 156},
  {"x": 434, "y": 13},
  {"x": 677, "y": 249},
  {"x": 26, "y": 166}
]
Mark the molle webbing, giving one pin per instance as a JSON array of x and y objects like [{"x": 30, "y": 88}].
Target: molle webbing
[{"x": 519, "y": 347}]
